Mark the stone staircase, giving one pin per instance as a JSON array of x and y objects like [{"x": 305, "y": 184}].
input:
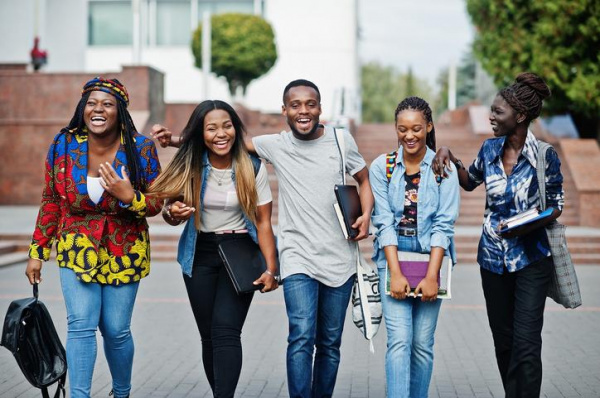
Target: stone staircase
[{"x": 452, "y": 130}]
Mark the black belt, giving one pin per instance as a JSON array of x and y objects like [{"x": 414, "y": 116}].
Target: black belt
[{"x": 407, "y": 231}]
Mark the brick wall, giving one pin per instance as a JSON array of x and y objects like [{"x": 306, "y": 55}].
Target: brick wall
[{"x": 35, "y": 106}]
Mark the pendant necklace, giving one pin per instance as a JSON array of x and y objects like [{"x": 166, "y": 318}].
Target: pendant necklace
[{"x": 221, "y": 175}]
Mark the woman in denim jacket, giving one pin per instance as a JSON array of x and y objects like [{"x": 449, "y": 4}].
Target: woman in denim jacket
[
  {"x": 213, "y": 172},
  {"x": 413, "y": 212}
]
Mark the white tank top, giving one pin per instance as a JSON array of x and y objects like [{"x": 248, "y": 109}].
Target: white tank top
[{"x": 94, "y": 188}]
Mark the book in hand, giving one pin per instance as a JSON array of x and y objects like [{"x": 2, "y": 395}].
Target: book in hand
[
  {"x": 524, "y": 218},
  {"x": 347, "y": 208},
  {"x": 244, "y": 263},
  {"x": 414, "y": 268}
]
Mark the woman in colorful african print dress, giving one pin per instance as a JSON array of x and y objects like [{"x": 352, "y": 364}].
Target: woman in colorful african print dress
[{"x": 93, "y": 206}]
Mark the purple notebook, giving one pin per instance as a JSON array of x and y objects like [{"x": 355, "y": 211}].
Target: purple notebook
[{"x": 415, "y": 271}]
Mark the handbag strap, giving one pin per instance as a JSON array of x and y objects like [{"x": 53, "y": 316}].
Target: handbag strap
[
  {"x": 339, "y": 140},
  {"x": 541, "y": 172}
]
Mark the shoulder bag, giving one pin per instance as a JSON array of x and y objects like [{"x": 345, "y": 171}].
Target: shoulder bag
[
  {"x": 366, "y": 299},
  {"x": 564, "y": 287}
]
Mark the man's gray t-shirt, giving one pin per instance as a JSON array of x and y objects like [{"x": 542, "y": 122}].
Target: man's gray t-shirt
[{"x": 309, "y": 238}]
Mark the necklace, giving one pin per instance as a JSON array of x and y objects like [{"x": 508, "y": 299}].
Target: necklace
[{"x": 220, "y": 175}]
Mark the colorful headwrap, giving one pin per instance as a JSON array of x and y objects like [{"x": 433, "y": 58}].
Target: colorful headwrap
[{"x": 111, "y": 86}]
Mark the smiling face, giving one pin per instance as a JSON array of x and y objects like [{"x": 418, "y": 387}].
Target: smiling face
[
  {"x": 503, "y": 118},
  {"x": 100, "y": 114},
  {"x": 219, "y": 137},
  {"x": 412, "y": 129},
  {"x": 302, "y": 110}
]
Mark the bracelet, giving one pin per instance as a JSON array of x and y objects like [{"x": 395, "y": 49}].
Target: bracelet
[{"x": 269, "y": 273}]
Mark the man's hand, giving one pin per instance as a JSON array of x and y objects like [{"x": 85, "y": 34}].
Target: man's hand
[{"x": 164, "y": 136}]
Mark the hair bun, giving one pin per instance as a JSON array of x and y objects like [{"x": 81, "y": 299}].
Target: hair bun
[{"x": 536, "y": 83}]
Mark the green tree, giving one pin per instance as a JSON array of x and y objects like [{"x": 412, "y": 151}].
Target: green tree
[
  {"x": 557, "y": 39},
  {"x": 383, "y": 87},
  {"x": 242, "y": 48}
]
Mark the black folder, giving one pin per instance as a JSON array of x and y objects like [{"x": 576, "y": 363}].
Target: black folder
[
  {"x": 349, "y": 202},
  {"x": 244, "y": 263}
]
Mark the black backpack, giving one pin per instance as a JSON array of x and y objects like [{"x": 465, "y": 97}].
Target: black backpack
[{"x": 30, "y": 335}]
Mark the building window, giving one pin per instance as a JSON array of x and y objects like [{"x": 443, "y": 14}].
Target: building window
[
  {"x": 110, "y": 23},
  {"x": 162, "y": 22},
  {"x": 173, "y": 22},
  {"x": 224, "y": 6}
]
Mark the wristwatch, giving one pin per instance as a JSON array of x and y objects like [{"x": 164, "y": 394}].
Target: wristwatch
[{"x": 459, "y": 165}]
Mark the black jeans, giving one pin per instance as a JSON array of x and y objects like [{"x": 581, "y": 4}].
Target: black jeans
[
  {"x": 220, "y": 314},
  {"x": 515, "y": 307}
]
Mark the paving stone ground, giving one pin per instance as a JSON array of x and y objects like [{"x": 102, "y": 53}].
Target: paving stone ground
[{"x": 167, "y": 361}]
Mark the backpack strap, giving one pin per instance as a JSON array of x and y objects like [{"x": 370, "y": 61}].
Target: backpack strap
[{"x": 390, "y": 164}]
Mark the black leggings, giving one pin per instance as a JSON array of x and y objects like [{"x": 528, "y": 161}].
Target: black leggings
[{"x": 220, "y": 314}]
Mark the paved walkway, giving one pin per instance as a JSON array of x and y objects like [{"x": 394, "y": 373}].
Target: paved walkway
[{"x": 167, "y": 362}]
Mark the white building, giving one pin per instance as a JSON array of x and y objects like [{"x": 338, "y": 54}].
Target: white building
[{"x": 316, "y": 40}]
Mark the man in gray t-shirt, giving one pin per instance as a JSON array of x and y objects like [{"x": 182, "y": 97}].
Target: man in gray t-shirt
[{"x": 317, "y": 263}]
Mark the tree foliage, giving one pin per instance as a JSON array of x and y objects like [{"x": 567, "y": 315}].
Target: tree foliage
[
  {"x": 383, "y": 87},
  {"x": 242, "y": 48},
  {"x": 557, "y": 39}
]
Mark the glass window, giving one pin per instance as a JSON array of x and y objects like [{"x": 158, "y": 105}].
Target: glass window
[
  {"x": 224, "y": 6},
  {"x": 173, "y": 25},
  {"x": 110, "y": 23}
]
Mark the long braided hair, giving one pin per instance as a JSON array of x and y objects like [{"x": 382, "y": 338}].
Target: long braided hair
[
  {"x": 420, "y": 105},
  {"x": 526, "y": 95},
  {"x": 128, "y": 130}
]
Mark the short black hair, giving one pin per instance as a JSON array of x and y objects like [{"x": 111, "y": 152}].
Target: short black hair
[{"x": 301, "y": 83}]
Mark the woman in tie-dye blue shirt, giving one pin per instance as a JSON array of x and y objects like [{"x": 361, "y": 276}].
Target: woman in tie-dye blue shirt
[{"x": 516, "y": 267}]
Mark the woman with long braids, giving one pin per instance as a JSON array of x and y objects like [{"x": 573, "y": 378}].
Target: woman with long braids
[
  {"x": 93, "y": 205},
  {"x": 414, "y": 212},
  {"x": 515, "y": 268},
  {"x": 213, "y": 172}
]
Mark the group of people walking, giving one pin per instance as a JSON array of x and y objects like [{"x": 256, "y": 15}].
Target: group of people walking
[{"x": 103, "y": 178}]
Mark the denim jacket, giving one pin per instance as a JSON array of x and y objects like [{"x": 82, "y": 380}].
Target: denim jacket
[
  {"x": 437, "y": 204},
  {"x": 187, "y": 241}
]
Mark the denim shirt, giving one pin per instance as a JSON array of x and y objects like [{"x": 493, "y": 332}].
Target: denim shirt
[
  {"x": 187, "y": 241},
  {"x": 509, "y": 195},
  {"x": 437, "y": 204}
]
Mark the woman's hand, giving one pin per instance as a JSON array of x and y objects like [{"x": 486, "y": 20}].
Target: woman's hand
[
  {"x": 268, "y": 281},
  {"x": 428, "y": 288},
  {"x": 118, "y": 187},
  {"x": 399, "y": 287},
  {"x": 34, "y": 271},
  {"x": 179, "y": 211},
  {"x": 164, "y": 136},
  {"x": 442, "y": 161}
]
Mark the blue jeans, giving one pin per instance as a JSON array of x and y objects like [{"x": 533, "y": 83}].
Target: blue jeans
[
  {"x": 410, "y": 326},
  {"x": 91, "y": 306},
  {"x": 316, "y": 315}
]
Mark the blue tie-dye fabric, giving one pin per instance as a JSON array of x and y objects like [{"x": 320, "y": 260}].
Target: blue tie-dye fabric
[{"x": 509, "y": 195}]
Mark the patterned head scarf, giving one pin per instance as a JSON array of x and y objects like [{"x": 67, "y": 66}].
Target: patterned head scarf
[{"x": 111, "y": 86}]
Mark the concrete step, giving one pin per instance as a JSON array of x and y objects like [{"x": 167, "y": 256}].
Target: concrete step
[
  {"x": 8, "y": 247},
  {"x": 12, "y": 258}
]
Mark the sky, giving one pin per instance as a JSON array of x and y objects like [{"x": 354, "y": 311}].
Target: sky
[{"x": 426, "y": 35}]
